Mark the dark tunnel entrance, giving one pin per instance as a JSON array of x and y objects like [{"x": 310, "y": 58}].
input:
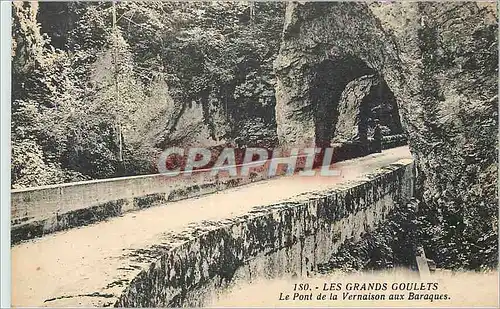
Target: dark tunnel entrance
[
  {"x": 329, "y": 79},
  {"x": 349, "y": 97}
]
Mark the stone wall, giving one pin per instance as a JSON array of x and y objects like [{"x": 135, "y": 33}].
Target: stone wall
[
  {"x": 39, "y": 211},
  {"x": 282, "y": 240},
  {"x": 394, "y": 141}
]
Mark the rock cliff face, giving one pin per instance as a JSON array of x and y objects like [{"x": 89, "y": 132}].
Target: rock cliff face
[
  {"x": 450, "y": 55},
  {"x": 440, "y": 62}
]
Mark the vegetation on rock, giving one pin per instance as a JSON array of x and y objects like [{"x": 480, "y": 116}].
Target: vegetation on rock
[{"x": 98, "y": 99}]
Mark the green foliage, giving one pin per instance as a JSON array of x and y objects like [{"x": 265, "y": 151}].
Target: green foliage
[
  {"x": 42, "y": 91},
  {"x": 29, "y": 167},
  {"x": 210, "y": 52},
  {"x": 70, "y": 131},
  {"x": 81, "y": 86}
]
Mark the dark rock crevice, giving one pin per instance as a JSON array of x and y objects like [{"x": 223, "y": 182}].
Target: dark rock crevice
[{"x": 365, "y": 100}]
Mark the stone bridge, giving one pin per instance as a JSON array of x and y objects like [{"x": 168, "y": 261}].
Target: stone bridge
[{"x": 101, "y": 243}]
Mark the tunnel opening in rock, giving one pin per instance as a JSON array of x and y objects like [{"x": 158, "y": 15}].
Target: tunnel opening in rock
[
  {"x": 350, "y": 98},
  {"x": 365, "y": 101},
  {"x": 329, "y": 78}
]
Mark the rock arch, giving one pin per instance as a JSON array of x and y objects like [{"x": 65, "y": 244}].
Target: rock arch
[{"x": 325, "y": 47}]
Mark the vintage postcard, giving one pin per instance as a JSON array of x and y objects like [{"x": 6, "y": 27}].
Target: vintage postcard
[{"x": 253, "y": 154}]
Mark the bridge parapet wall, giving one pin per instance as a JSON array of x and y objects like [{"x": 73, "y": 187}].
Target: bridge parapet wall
[
  {"x": 392, "y": 141},
  {"x": 286, "y": 239}
]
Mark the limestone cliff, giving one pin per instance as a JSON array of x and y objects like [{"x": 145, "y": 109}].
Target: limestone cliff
[
  {"x": 450, "y": 55},
  {"x": 439, "y": 60}
]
